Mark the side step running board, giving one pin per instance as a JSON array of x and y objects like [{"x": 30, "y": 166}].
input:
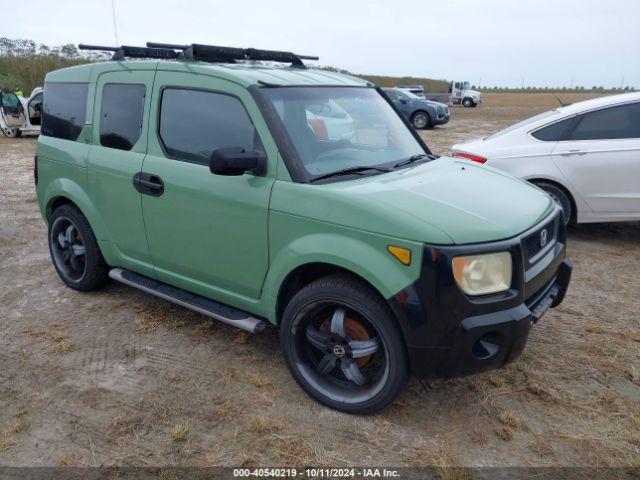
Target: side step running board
[{"x": 189, "y": 300}]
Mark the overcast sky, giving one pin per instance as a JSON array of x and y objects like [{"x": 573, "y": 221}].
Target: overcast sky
[{"x": 495, "y": 42}]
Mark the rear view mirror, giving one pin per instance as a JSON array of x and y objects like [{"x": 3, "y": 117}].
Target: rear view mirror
[{"x": 236, "y": 161}]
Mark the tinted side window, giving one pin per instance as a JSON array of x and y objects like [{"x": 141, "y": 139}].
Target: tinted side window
[
  {"x": 392, "y": 94},
  {"x": 10, "y": 100},
  {"x": 121, "y": 115},
  {"x": 609, "y": 123},
  {"x": 65, "y": 106},
  {"x": 553, "y": 132},
  {"x": 193, "y": 123}
]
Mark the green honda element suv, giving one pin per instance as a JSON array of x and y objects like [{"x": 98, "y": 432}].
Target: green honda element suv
[{"x": 259, "y": 194}]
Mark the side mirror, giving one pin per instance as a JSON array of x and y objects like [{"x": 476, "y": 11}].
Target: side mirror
[
  {"x": 403, "y": 101},
  {"x": 236, "y": 161}
]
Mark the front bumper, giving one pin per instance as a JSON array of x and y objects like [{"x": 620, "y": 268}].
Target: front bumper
[
  {"x": 441, "y": 120},
  {"x": 450, "y": 334}
]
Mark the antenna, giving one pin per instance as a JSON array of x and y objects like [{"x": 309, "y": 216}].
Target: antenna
[
  {"x": 562, "y": 104},
  {"x": 115, "y": 28}
]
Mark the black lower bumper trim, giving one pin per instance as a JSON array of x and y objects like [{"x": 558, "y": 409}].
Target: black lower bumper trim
[{"x": 490, "y": 340}]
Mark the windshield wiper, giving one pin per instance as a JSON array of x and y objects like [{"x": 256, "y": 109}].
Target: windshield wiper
[
  {"x": 348, "y": 171},
  {"x": 414, "y": 158}
]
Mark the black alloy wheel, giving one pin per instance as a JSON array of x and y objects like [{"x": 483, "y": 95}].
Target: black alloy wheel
[{"x": 343, "y": 347}]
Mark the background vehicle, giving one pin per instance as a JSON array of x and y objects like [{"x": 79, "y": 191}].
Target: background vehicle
[
  {"x": 207, "y": 185},
  {"x": 422, "y": 113},
  {"x": 20, "y": 115},
  {"x": 330, "y": 122},
  {"x": 459, "y": 93},
  {"x": 585, "y": 155}
]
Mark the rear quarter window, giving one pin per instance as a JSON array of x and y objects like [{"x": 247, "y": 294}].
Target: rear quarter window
[
  {"x": 554, "y": 132},
  {"x": 65, "y": 107}
]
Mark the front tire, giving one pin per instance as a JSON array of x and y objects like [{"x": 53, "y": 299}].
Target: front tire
[
  {"x": 421, "y": 120},
  {"x": 343, "y": 346},
  {"x": 561, "y": 199},
  {"x": 468, "y": 102},
  {"x": 12, "y": 132},
  {"x": 74, "y": 250}
]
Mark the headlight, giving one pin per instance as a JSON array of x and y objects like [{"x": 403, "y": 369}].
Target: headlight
[{"x": 483, "y": 274}]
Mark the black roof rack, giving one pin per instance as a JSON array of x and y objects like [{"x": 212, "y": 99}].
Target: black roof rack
[
  {"x": 119, "y": 53},
  {"x": 205, "y": 53},
  {"x": 213, "y": 53}
]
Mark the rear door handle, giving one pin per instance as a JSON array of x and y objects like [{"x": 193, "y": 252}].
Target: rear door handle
[{"x": 148, "y": 184}]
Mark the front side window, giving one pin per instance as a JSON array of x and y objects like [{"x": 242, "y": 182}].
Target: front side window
[
  {"x": 608, "y": 124},
  {"x": 35, "y": 109},
  {"x": 193, "y": 123},
  {"x": 65, "y": 107},
  {"x": 121, "y": 115},
  {"x": 363, "y": 131}
]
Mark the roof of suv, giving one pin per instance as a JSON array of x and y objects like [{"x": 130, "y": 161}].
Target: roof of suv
[{"x": 244, "y": 74}]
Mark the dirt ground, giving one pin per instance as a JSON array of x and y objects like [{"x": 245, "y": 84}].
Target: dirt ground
[{"x": 118, "y": 377}]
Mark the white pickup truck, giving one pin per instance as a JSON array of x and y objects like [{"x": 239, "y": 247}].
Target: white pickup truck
[{"x": 459, "y": 93}]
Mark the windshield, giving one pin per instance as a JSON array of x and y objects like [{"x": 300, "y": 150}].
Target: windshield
[
  {"x": 518, "y": 125},
  {"x": 466, "y": 86},
  {"x": 334, "y": 128}
]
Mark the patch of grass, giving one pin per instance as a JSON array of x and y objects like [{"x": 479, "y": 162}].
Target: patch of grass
[
  {"x": 213, "y": 456},
  {"x": 61, "y": 343},
  {"x": 504, "y": 433},
  {"x": 509, "y": 418},
  {"x": 260, "y": 424},
  {"x": 542, "y": 446},
  {"x": 6, "y": 444},
  {"x": 224, "y": 411},
  {"x": 478, "y": 437},
  {"x": 69, "y": 459},
  {"x": 180, "y": 432},
  {"x": 295, "y": 452},
  {"x": 441, "y": 456},
  {"x": 260, "y": 381},
  {"x": 227, "y": 374},
  {"x": 125, "y": 425},
  {"x": 20, "y": 425}
]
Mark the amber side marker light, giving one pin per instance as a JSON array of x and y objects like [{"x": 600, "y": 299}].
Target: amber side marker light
[{"x": 402, "y": 254}]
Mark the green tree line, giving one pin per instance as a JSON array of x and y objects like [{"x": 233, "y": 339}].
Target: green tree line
[{"x": 24, "y": 63}]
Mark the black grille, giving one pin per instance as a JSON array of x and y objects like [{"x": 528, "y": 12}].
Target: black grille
[{"x": 540, "y": 241}]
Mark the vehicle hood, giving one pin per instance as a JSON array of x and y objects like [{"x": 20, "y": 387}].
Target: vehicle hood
[{"x": 445, "y": 201}]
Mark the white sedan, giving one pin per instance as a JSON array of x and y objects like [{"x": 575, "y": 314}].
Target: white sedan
[{"x": 585, "y": 155}]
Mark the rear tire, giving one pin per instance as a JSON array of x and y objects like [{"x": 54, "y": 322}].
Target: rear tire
[
  {"x": 343, "y": 346},
  {"x": 74, "y": 250},
  {"x": 561, "y": 199}
]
